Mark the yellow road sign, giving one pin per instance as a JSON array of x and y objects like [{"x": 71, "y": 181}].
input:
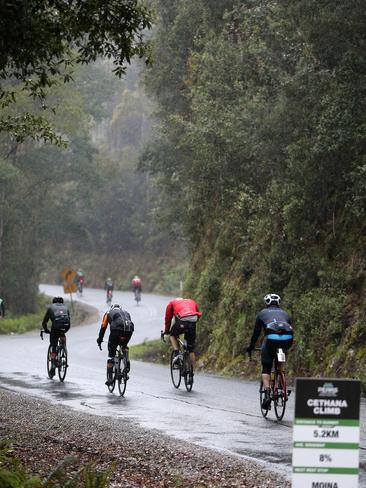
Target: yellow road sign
[
  {"x": 68, "y": 275},
  {"x": 70, "y": 288}
]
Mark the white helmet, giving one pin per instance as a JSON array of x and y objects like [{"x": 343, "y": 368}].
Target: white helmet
[{"x": 272, "y": 299}]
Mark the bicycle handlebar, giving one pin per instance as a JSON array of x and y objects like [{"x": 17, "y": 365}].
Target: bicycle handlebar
[
  {"x": 162, "y": 335},
  {"x": 41, "y": 333}
]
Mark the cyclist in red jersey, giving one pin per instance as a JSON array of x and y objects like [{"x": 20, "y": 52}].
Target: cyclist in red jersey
[{"x": 181, "y": 316}]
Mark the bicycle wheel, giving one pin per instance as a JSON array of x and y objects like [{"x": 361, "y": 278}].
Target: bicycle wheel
[
  {"x": 62, "y": 362},
  {"x": 188, "y": 372},
  {"x": 261, "y": 398},
  {"x": 280, "y": 395},
  {"x": 122, "y": 375},
  {"x": 49, "y": 362},
  {"x": 113, "y": 384},
  {"x": 175, "y": 371}
]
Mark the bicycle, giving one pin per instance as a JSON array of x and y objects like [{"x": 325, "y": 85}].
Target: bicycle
[
  {"x": 137, "y": 296},
  {"x": 109, "y": 297},
  {"x": 181, "y": 365},
  {"x": 119, "y": 374},
  {"x": 279, "y": 392},
  {"x": 61, "y": 357}
]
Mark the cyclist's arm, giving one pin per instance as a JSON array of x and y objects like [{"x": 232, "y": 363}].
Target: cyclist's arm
[
  {"x": 46, "y": 318},
  {"x": 168, "y": 317},
  {"x": 256, "y": 333},
  {"x": 104, "y": 326}
]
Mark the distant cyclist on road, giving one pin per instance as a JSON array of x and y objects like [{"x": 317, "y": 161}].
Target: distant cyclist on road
[
  {"x": 181, "y": 317},
  {"x": 80, "y": 279},
  {"x": 137, "y": 288},
  {"x": 122, "y": 329},
  {"x": 59, "y": 315},
  {"x": 109, "y": 287},
  {"x": 278, "y": 333}
]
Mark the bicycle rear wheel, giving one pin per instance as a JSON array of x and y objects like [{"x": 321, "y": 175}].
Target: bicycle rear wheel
[
  {"x": 280, "y": 395},
  {"x": 175, "y": 371},
  {"x": 188, "y": 372},
  {"x": 261, "y": 398},
  {"x": 62, "y": 362},
  {"x": 49, "y": 362},
  {"x": 122, "y": 376}
]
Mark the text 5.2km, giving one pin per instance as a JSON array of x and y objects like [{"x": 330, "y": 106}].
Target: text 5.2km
[{"x": 326, "y": 434}]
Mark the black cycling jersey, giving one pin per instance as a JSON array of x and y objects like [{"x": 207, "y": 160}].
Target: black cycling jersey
[{"x": 266, "y": 317}]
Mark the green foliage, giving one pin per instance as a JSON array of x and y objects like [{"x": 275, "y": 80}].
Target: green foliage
[
  {"x": 42, "y": 42},
  {"x": 13, "y": 324},
  {"x": 65, "y": 475},
  {"x": 261, "y": 143},
  {"x": 151, "y": 351}
]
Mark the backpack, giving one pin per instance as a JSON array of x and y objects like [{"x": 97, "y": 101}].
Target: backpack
[
  {"x": 120, "y": 320},
  {"x": 61, "y": 318},
  {"x": 281, "y": 328}
]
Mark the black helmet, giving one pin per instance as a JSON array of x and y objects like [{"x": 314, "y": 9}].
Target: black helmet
[
  {"x": 115, "y": 306},
  {"x": 58, "y": 300}
]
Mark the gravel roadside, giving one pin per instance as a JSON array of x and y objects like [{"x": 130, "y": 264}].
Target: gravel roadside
[{"x": 142, "y": 458}]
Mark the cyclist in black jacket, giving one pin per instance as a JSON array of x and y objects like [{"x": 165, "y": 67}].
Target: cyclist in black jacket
[
  {"x": 59, "y": 315},
  {"x": 278, "y": 333}
]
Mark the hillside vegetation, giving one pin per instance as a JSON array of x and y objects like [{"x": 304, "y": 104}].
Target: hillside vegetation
[{"x": 260, "y": 146}]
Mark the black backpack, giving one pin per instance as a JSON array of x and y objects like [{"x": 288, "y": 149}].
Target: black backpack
[
  {"x": 61, "y": 318},
  {"x": 120, "y": 320}
]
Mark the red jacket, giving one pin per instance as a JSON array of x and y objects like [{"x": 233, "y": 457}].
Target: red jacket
[{"x": 182, "y": 307}]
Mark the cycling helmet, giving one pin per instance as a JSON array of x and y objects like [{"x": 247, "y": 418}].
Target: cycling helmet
[
  {"x": 57, "y": 300},
  {"x": 115, "y": 306},
  {"x": 272, "y": 299}
]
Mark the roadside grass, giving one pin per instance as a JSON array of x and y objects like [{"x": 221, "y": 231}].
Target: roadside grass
[
  {"x": 67, "y": 473},
  {"x": 151, "y": 351},
  {"x": 13, "y": 324}
]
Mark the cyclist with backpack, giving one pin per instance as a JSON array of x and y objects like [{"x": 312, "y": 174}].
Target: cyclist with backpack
[
  {"x": 278, "y": 333},
  {"x": 121, "y": 330},
  {"x": 59, "y": 315}
]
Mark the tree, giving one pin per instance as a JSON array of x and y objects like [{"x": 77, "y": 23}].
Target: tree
[{"x": 40, "y": 42}]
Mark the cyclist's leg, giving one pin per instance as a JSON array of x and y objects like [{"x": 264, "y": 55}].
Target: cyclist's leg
[
  {"x": 124, "y": 341},
  {"x": 174, "y": 334},
  {"x": 112, "y": 347},
  {"x": 54, "y": 335},
  {"x": 267, "y": 361},
  {"x": 190, "y": 337}
]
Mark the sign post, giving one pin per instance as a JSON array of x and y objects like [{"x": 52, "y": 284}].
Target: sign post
[{"x": 326, "y": 433}]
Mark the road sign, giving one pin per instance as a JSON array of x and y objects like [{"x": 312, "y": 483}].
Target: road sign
[
  {"x": 326, "y": 433},
  {"x": 68, "y": 274},
  {"x": 70, "y": 288}
]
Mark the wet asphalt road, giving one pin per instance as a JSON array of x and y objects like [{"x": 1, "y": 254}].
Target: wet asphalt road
[{"x": 220, "y": 413}]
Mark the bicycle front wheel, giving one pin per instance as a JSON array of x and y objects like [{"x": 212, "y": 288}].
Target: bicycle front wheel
[
  {"x": 188, "y": 372},
  {"x": 122, "y": 376},
  {"x": 49, "y": 362},
  {"x": 62, "y": 362},
  {"x": 280, "y": 395},
  {"x": 261, "y": 398},
  {"x": 113, "y": 384},
  {"x": 175, "y": 371}
]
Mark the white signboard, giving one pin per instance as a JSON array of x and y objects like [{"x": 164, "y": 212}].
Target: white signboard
[{"x": 326, "y": 433}]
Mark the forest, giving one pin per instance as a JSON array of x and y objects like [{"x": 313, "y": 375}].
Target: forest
[
  {"x": 234, "y": 158},
  {"x": 261, "y": 148}
]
